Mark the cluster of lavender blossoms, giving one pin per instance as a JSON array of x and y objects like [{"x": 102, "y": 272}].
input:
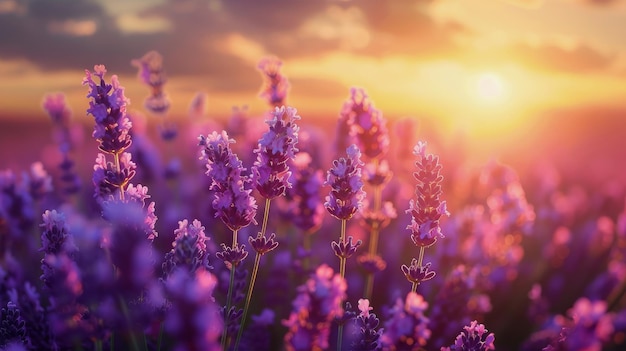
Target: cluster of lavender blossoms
[
  {"x": 276, "y": 84},
  {"x": 425, "y": 211},
  {"x": 314, "y": 309},
  {"x": 151, "y": 73}
]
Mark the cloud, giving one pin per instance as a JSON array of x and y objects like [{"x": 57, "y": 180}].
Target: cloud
[
  {"x": 580, "y": 58},
  {"x": 345, "y": 26},
  {"x": 132, "y": 23},
  {"x": 78, "y": 28}
]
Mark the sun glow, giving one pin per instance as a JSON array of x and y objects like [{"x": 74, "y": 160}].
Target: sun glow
[{"x": 490, "y": 88}]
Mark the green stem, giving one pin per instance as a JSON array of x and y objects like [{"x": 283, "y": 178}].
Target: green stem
[
  {"x": 126, "y": 313},
  {"x": 98, "y": 345},
  {"x": 373, "y": 246},
  {"x": 342, "y": 240},
  {"x": 117, "y": 167},
  {"x": 342, "y": 273},
  {"x": 339, "y": 337},
  {"x": 255, "y": 271},
  {"x": 420, "y": 259},
  {"x": 266, "y": 215},
  {"x": 160, "y": 338},
  {"x": 228, "y": 303},
  {"x": 229, "y": 297},
  {"x": 112, "y": 342},
  {"x": 246, "y": 308}
]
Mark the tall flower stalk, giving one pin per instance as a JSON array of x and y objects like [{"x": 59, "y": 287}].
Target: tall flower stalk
[
  {"x": 233, "y": 205},
  {"x": 276, "y": 85},
  {"x": 112, "y": 130},
  {"x": 344, "y": 200},
  {"x": 426, "y": 211},
  {"x": 271, "y": 178},
  {"x": 368, "y": 129},
  {"x": 123, "y": 204}
]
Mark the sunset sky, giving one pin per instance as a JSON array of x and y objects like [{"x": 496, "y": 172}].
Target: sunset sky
[{"x": 491, "y": 63}]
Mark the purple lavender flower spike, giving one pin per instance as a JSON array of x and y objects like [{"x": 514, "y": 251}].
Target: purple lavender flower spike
[
  {"x": 344, "y": 178},
  {"x": 406, "y": 327},
  {"x": 40, "y": 183},
  {"x": 60, "y": 113},
  {"x": 589, "y": 328},
  {"x": 276, "y": 85},
  {"x": 12, "y": 326},
  {"x": 108, "y": 107},
  {"x": 233, "y": 203},
  {"x": 193, "y": 319},
  {"x": 152, "y": 74},
  {"x": 55, "y": 238},
  {"x": 347, "y": 249},
  {"x": 367, "y": 337},
  {"x": 189, "y": 249},
  {"x": 263, "y": 244},
  {"x": 277, "y": 146},
  {"x": 57, "y": 108},
  {"x": 474, "y": 338},
  {"x": 308, "y": 208},
  {"x": 428, "y": 208},
  {"x": 317, "y": 304},
  {"x": 367, "y": 124}
]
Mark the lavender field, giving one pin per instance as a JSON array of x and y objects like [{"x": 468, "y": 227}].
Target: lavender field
[{"x": 274, "y": 232}]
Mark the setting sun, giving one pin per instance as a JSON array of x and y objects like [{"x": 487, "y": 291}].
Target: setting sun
[{"x": 490, "y": 88}]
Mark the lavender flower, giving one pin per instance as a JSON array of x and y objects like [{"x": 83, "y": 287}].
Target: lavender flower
[
  {"x": 367, "y": 337},
  {"x": 12, "y": 326},
  {"x": 189, "y": 249},
  {"x": 590, "y": 327},
  {"x": 40, "y": 183},
  {"x": 130, "y": 241},
  {"x": 317, "y": 304},
  {"x": 418, "y": 273},
  {"x": 35, "y": 317},
  {"x": 232, "y": 256},
  {"x": 406, "y": 328},
  {"x": 60, "y": 113},
  {"x": 345, "y": 249},
  {"x": 367, "y": 124},
  {"x": 277, "y": 146},
  {"x": 152, "y": 74},
  {"x": 457, "y": 302},
  {"x": 308, "y": 209},
  {"x": 428, "y": 208},
  {"x": 55, "y": 238},
  {"x": 276, "y": 85},
  {"x": 16, "y": 205},
  {"x": 233, "y": 203},
  {"x": 425, "y": 212},
  {"x": 62, "y": 277},
  {"x": 57, "y": 108},
  {"x": 344, "y": 178},
  {"x": 510, "y": 212},
  {"x": 108, "y": 107},
  {"x": 193, "y": 318},
  {"x": 474, "y": 338}
]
